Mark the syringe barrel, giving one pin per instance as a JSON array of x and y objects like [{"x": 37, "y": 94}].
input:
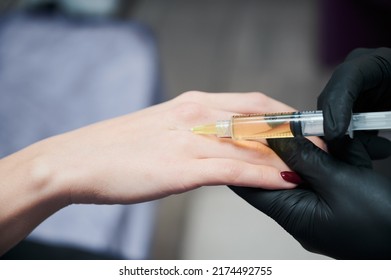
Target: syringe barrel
[
  {"x": 292, "y": 124},
  {"x": 311, "y": 123},
  {"x": 371, "y": 121}
]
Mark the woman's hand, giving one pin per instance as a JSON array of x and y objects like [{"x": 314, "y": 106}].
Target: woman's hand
[{"x": 152, "y": 153}]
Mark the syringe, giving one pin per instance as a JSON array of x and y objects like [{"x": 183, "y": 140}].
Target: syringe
[{"x": 283, "y": 125}]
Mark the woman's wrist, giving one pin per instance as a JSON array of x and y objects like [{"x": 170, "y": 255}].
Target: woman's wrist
[{"x": 30, "y": 193}]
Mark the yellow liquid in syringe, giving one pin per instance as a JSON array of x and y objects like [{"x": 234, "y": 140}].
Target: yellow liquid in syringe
[{"x": 247, "y": 129}]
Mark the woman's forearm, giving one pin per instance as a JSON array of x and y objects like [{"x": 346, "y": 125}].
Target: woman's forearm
[{"x": 28, "y": 194}]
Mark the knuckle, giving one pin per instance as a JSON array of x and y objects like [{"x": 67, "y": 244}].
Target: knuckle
[
  {"x": 260, "y": 99},
  {"x": 232, "y": 173},
  {"x": 191, "y": 96},
  {"x": 189, "y": 111}
]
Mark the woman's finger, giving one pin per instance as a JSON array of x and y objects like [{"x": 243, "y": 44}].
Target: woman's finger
[{"x": 234, "y": 172}]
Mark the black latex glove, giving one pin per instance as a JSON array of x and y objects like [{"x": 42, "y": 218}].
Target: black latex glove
[
  {"x": 361, "y": 84},
  {"x": 343, "y": 210}
]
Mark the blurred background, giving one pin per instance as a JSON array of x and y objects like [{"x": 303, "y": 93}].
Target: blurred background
[{"x": 286, "y": 49}]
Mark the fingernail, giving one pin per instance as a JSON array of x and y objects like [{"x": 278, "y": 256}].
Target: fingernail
[{"x": 291, "y": 177}]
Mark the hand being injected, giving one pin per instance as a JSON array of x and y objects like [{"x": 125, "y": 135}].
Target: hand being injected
[
  {"x": 343, "y": 209},
  {"x": 142, "y": 156}
]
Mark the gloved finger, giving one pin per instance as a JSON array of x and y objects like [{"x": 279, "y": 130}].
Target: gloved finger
[
  {"x": 286, "y": 207},
  {"x": 377, "y": 147},
  {"x": 338, "y": 97},
  {"x": 359, "y": 52},
  {"x": 311, "y": 163},
  {"x": 361, "y": 150},
  {"x": 351, "y": 151}
]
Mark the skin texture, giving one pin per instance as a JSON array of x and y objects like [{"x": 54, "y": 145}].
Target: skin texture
[{"x": 138, "y": 157}]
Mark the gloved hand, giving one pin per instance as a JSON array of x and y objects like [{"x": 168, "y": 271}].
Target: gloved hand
[
  {"x": 361, "y": 84},
  {"x": 343, "y": 208}
]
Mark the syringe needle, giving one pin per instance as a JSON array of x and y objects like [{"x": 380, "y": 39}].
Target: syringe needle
[{"x": 205, "y": 129}]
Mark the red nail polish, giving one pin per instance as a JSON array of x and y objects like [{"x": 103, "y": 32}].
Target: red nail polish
[{"x": 291, "y": 177}]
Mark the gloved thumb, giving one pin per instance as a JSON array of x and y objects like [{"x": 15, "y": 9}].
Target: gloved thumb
[{"x": 314, "y": 165}]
